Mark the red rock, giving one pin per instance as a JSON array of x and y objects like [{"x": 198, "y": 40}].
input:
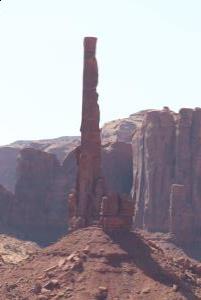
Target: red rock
[
  {"x": 89, "y": 182},
  {"x": 116, "y": 213},
  {"x": 167, "y": 173},
  {"x": 40, "y": 209},
  {"x": 153, "y": 170},
  {"x": 181, "y": 217},
  {"x": 52, "y": 284},
  {"x": 7, "y": 200},
  {"x": 117, "y": 167},
  {"x": 197, "y": 268}
]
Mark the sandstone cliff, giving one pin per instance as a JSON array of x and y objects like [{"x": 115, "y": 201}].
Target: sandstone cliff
[
  {"x": 40, "y": 196},
  {"x": 167, "y": 153},
  {"x": 115, "y": 131}
]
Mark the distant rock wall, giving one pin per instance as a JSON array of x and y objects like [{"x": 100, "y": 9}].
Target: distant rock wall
[
  {"x": 117, "y": 167},
  {"x": 40, "y": 207},
  {"x": 38, "y": 210},
  {"x": 112, "y": 132}
]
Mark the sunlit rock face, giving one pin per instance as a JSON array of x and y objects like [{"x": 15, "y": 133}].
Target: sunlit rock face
[
  {"x": 167, "y": 153},
  {"x": 153, "y": 169},
  {"x": 89, "y": 175}
]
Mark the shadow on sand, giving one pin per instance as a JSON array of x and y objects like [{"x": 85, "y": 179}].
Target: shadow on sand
[{"x": 140, "y": 254}]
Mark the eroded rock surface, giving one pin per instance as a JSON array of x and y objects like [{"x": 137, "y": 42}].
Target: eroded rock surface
[
  {"x": 89, "y": 264},
  {"x": 181, "y": 216},
  {"x": 7, "y": 200},
  {"x": 117, "y": 167},
  {"x": 88, "y": 155},
  {"x": 14, "y": 251},
  {"x": 153, "y": 166},
  {"x": 112, "y": 132},
  {"x": 40, "y": 208},
  {"x": 167, "y": 153}
]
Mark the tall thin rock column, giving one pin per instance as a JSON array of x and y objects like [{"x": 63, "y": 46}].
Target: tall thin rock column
[
  {"x": 90, "y": 203},
  {"x": 89, "y": 186}
]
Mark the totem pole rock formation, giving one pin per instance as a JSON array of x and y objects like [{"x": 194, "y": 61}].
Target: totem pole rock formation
[
  {"x": 90, "y": 203},
  {"x": 89, "y": 190}
]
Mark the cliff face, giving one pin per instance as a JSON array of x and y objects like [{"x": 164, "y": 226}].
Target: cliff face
[
  {"x": 117, "y": 167},
  {"x": 153, "y": 159},
  {"x": 61, "y": 147},
  {"x": 166, "y": 176},
  {"x": 167, "y": 153},
  {"x": 7, "y": 201},
  {"x": 8, "y": 163},
  {"x": 40, "y": 209},
  {"x": 112, "y": 132}
]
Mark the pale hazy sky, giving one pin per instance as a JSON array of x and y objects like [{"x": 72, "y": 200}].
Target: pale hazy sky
[{"x": 149, "y": 56}]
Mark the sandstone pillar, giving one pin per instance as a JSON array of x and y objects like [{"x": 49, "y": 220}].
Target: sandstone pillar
[{"x": 89, "y": 180}]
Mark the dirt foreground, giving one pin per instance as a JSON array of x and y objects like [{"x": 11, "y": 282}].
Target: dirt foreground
[{"x": 89, "y": 264}]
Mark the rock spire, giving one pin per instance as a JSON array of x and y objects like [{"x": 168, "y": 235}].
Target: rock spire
[{"x": 89, "y": 184}]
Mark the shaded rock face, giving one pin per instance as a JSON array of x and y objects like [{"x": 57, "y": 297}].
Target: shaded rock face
[
  {"x": 117, "y": 167},
  {"x": 70, "y": 169},
  {"x": 61, "y": 147},
  {"x": 7, "y": 200},
  {"x": 40, "y": 209},
  {"x": 112, "y": 132},
  {"x": 8, "y": 163},
  {"x": 167, "y": 151}
]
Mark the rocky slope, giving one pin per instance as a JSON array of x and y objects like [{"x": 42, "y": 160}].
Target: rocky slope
[
  {"x": 89, "y": 264},
  {"x": 13, "y": 251}
]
